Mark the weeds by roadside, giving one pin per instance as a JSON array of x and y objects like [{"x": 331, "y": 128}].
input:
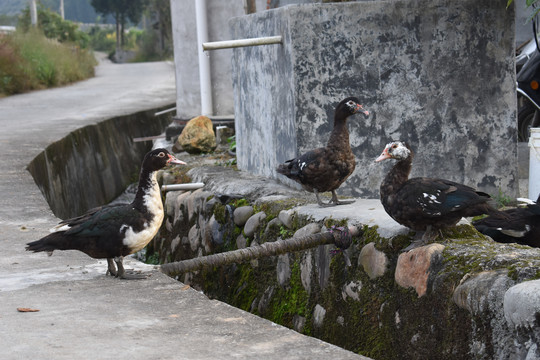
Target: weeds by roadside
[{"x": 30, "y": 61}]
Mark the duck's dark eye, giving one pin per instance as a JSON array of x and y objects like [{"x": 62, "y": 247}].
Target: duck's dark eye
[
  {"x": 161, "y": 154},
  {"x": 394, "y": 146}
]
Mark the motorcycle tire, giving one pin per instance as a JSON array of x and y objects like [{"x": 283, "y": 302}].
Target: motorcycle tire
[{"x": 525, "y": 121}]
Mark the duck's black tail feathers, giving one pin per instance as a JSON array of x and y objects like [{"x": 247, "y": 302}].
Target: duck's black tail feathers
[
  {"x": 51, "y": 242},
  {"x": 288, "y": 169}
]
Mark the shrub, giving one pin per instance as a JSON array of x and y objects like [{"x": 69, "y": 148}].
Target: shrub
[
  {"x": 54, "y": 27},
  {"x": 30, "y": 61},
  {"x": 102, "y": 39}
]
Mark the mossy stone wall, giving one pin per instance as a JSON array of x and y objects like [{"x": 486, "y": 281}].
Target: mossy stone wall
[{"x": 335, "y": 298}]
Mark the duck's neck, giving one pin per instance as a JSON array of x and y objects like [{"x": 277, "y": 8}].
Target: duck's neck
[
  {"x": 340, "y": 134},
  {"x": 397, "y": 176},
  {"x": 148, "y": 197}
]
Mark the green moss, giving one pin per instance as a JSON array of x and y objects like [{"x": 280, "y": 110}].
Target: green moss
[
  {"x": 246, "y": 292},
  {"x": 220, "y": 213},
  {"x": 464, "y": 232},
  {"x": 236, "y": 203},
  {"x": 273, "y": 208},
  {"x": 291, "y": 300}
]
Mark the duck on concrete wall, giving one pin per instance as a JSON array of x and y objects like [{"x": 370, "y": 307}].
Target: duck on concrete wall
[
  {"x": 112, "y": 232},
  {"x": 326, "y": 168},
  {"x": 426, "y": 204}
]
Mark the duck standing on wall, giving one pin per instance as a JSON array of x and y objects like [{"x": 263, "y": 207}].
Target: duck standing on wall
[
  {"x": 520, "y": 225},
  {"x": 426, "y": 204},
  {"x": 112, "y": 232},
  {"x": 326, "y": 168}
]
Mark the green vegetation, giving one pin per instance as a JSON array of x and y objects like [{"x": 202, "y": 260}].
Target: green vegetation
[
  {"x": 53, "y": 54},
  {"x": 54, "y": 27},
  {"x": 153, "y": 43},
  {"x": 30, "y": 61},
  {"x": 503, "y": 200}
]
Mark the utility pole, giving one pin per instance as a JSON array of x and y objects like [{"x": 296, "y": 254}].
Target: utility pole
[
  {"x": 33, "y": 12},
  {"x": 62, "y": 9}
]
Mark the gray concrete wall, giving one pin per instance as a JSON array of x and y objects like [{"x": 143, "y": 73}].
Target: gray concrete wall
[
  {"x": 186, "y": 57},
  {"x": 438, "y": 74},
  {"x": 188, "y": 98},
  {"x": 523, "y": 25},
  {"x": 92, "y": 165}
]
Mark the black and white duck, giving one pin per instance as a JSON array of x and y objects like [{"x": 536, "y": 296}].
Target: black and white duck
[{"x": 112, "y": 232}]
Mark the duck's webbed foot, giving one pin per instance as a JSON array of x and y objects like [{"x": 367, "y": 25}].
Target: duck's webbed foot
[
  {"x": 111, "y": 268},
  {"x": 122, "y": 274},
  {"x": 339, "y": 202},
  {"x": 320, "y": 202},
  {"x": 429, "y": 236}
]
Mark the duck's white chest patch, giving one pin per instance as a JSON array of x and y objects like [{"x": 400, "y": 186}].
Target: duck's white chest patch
[{"x": 152, "y": 199}]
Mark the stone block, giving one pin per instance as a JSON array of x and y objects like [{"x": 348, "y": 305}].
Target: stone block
[
  {"x": 373, "y": 261},
  {"x": 412, "y": 269},
  {"x": 283, "y": 270},
  {"x": 318, "y": 315},
  {"x": 194, "y": 238},
  {"x": 522, "y": 305},
  {"x": 307, "y": 230},
  {"x": 253, "y": 223},
  {"x": 306, "y": 267},
  {"x": 242, "y": 214},
  {"x": 286, "y": 217}
]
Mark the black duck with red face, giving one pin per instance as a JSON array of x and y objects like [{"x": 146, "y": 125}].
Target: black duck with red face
[
  {"x": 326, "y": 168},
  {"x": 426, "y": 204}
]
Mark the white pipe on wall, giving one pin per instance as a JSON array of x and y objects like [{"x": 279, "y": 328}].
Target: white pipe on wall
[
  {"x": 204, "y": 59},
  {"x": 227, "y": 44}
]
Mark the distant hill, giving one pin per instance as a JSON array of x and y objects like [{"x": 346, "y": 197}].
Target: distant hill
[{"x": 74, "y": 10}]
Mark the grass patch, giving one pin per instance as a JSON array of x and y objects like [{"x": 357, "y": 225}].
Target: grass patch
[{"x": 29, "y": 61}]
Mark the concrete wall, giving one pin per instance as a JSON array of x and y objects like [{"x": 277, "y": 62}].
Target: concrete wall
[
  {"x": 523, "y": 25},
  {"x": 186, "y": 56},
  {"x": 94, "y": 164},
  {"x": 439, "y": 74}
]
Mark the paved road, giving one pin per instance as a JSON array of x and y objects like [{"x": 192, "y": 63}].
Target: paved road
[{"x": 83, "y": 314}]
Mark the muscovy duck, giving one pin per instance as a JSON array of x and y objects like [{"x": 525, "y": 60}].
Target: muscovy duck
[
  {"x": 326, "y": 168},
  {"x": 426, "y": 204},
  {"x": 520, "y": 225},
  {"x": 112, "y": 232}
]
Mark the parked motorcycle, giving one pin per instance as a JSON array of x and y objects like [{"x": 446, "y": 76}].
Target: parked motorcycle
[
  {"x": 528, "y": 79},
  {"x": 528, "y": 88}
]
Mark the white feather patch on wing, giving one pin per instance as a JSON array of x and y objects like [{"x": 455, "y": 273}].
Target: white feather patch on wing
[
  {"x": 526, "y": 201},
  {"x": 514, "y": 233},
  {"x": 60, "y": 227}
]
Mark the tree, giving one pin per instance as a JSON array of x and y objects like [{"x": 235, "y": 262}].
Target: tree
[{"x": 122, "y": 11}]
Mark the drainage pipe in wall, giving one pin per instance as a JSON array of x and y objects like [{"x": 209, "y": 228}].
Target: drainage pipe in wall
[{"x": 204, "y": 59}]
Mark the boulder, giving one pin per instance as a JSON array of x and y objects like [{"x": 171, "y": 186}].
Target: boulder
[
  {"x": 198, "y": 136},
  {"x": 413, "y": 267},
  {"x": 373, "y": 261}
]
